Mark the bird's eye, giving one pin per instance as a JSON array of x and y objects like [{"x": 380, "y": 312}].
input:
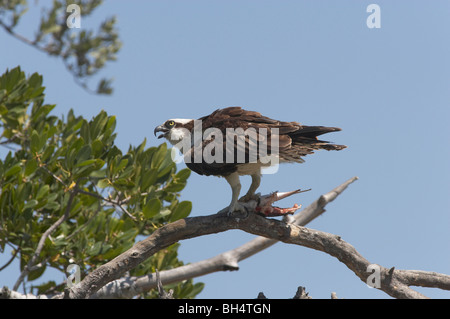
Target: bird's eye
[{"x": 170, "y": 124}]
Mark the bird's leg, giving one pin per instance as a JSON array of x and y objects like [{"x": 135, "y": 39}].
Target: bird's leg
[
  {"x": 256, "y": 180},
  {"x": 233, "y": 180}
]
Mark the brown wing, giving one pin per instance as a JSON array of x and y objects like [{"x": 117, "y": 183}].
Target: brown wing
[{"x": 294, "y": 140}]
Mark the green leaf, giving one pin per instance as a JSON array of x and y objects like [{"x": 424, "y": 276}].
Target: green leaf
[
  {"x": 53, "y": 28},
  {"x": 42, "y": 289},
  {"x": 97, "y": 124},
  {"x": 40, "y": 111},
  {"x": 35, "y": 274},
  {"x": 97, "y": 148},
  {"x": 197, "y": 288},
  {"x": 30, "y": 167},
  {"x": 103, "y": 183},
  {"x": 48, "y": 151},
  {"x": 43, "y": 191},
  {"x": 104, "y": 86},
  {"x": 3, "y": 109},
  {"x": 85, "y": 130},
  {"x": 183, "y": 174},
  {"x": 123, "y": 182},
  {"x": 12, "y": 78},
  {"x": 151, "y": 208},
  {"x": 95, "y": 249},
  {"x": 182, "y": 210},
  {"x": 149, "y": 178},
  {"x": 87, "y": 162},
  {"x": 122, "y": 164},
  {"x": 13, "y": 170},
  {"x": 23, "y": 192},
  {"x": 52, "y": 206},
  {"x": 159, "y": 156},
  {"x": 84, "y": 153},
  {"x": 110, "y": 125},
  {"x": 175, "y": 187},
  {"x": 128, "y": 235},
  {"x": 35, "y": 80},
  {"x": 35, "y": 142},
  {"x": 30, "y": 204},
  {"x": 127, "y": 172}
]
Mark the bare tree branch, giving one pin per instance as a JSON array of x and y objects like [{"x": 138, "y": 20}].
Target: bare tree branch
[
  {"x": 162, "y": 293},
  {"x": 6, "y": 293},
  {"x": 301, "y": 293},
  {"x": 394, "y": 282},
  {"x": 16, "y": 251},
  {"x": 130, "y": 286},
  {"x": 115, "y": 203}
]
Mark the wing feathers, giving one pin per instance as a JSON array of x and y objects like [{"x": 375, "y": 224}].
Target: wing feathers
[{"x": 294, "y": 140}]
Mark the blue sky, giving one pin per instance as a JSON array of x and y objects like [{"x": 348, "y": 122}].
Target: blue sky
[{"x": 315, "y": 62}]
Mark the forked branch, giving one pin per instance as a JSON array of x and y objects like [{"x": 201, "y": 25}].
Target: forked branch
[
  {"x": 396, "y": 283},
  {"x": 128, "y": 287}
]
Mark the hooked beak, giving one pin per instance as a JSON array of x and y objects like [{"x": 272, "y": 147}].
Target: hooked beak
[{"x": 161, "y": 128}]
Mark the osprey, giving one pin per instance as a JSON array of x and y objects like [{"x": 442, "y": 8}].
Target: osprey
[{"x": 232, "y": 141}]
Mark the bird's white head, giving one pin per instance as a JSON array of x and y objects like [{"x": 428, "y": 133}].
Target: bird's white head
[{"x": 175, "y": 130}]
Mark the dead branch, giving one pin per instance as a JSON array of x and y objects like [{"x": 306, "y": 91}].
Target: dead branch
[
  {"x": 396, "y": 283},
  {"x": 128, "y": 287},
  {"x": 162, "y": 293},
  {"x": 6, "y": 293},
  {"x": 301, "y": 293}
]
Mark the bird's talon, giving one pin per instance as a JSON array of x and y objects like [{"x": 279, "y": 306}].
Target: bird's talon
[
  {"x": 249, "y": 197},
  {"x": 238, "y": 207}
]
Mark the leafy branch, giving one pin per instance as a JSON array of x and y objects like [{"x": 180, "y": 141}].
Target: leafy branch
[
  {"x": 68, "y": 195},
  {"x": 83, "y": 52}
]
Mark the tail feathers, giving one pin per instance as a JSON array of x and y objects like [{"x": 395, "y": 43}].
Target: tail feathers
[
  {"x": 313, "y": 131},
  {"x": 332, "y": 147},
  {"x": 308, "y": 135}
]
